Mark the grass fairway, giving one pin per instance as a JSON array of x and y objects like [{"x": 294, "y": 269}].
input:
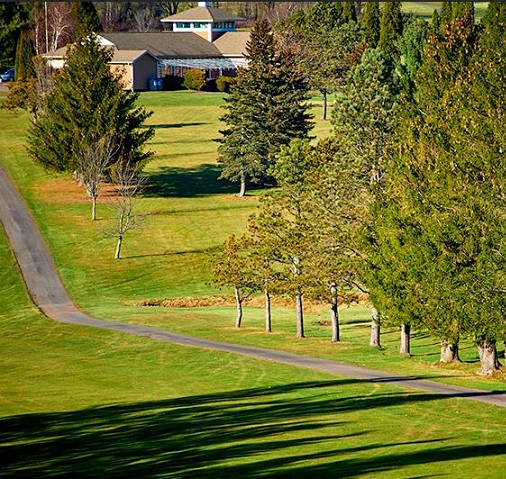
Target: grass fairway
[
  {"x": 81, "y": 402},
  {"x": 87, "y": 403}
]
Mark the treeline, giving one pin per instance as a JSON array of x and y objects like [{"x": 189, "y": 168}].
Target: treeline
[{"x": 406, "y": 200}]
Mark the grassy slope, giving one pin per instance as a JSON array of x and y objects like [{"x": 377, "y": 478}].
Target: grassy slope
[
  {"x": 75, "y": 397},
  {"x": 189, "y": 213}
]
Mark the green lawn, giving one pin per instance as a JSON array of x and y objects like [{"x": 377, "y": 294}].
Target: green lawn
[{"x": 105, "y": 404}]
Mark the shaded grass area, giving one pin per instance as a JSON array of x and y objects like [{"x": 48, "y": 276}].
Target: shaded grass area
[{"x": 318, "y": 428}]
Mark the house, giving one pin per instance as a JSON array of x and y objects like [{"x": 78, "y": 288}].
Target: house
[
  {"x": 136, "y": 67},
  {"x": 202, "y": 37},
  {"x": 208, "y": 22}
]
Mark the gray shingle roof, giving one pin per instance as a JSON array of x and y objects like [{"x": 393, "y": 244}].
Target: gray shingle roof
[{"x": 165, "y": 44}]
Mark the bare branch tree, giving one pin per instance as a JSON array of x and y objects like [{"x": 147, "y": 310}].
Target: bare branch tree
[
  {"x": 128, "y": 185},
  {"x": 94, "y": 158},
  {"x": 144, "y": 19}
]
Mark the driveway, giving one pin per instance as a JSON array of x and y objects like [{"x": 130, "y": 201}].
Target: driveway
[{"x": 48, "y": 293}]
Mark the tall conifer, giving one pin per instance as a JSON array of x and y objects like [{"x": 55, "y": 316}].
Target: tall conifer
[{"x": 266, "y": 109}]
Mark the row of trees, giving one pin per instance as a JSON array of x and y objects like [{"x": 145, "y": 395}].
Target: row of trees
[{"x": 406, "y": 200}]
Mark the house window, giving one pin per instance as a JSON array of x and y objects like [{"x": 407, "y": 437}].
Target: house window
[
  {"x": 183, "y": 25},
  {"x": 199, "y": 25}
]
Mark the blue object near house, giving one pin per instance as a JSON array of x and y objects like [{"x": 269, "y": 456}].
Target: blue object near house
[{"x": 155, "y": 84}]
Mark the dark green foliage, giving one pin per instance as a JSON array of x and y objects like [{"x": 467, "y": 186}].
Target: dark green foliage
[
  {"x": 319, "y": 15},
  {"x": 266, "y": 109},
  {"x": 14, "y": 17},
  {"x": 194, "y": 79},
  {"x": 391, "y": 26},
  {"x": 440, "y": 229},
  {"x": 25, "y": 53},
  {"x": 86, "y": 104},
  {"x": 411, "y": 47},
  {"x": 446, "y": 15},
  {"x": 349, "y": 12},
  {"x": 370, "y": 24},
  {"x": 85, "y": 18}
]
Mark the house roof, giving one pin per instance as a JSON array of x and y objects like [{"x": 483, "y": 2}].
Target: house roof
[
  {"x": 232, "y": 44},
  {"x": 129, "y": 56},
  {"x": 119, "y": 56},
  {"x": 203, "y": 14},
  {"x": 165, "y": 44}
]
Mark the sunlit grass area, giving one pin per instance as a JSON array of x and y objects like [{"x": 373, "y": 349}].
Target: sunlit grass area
[{"x": 76, "y": 401}]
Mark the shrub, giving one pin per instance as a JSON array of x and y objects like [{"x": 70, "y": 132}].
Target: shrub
[
  {"x": 172, "y": 82},
  {"x": 194, "y": 79},
  {"x": 224, "y": 83}
]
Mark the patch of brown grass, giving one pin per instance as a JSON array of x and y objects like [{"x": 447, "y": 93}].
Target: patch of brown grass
[
  {"x": 67, "y": 191},
  {"x": 210, "y": 301}
]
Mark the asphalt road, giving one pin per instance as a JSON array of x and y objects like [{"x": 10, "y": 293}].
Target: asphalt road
[{"x": 48, "y": 293}]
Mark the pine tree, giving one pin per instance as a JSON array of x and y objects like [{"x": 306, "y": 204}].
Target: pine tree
[
  {"x": 85, "y": 18},
  {"x": 25, "y": 52},
  {"x": 363, "y": 124},
  {"x": 266, "y": 109},
  {"x": 87, "y": 104},
  {"x": 370, "y": 24},
  {"x": 391, "y": 26},
  {"x": 349, "y": 12}
]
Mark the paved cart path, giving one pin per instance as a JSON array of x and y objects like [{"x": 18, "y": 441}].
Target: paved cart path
[{"x": 48, "y": 293}]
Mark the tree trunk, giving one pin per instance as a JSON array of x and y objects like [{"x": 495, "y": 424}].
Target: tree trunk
[
  {"x": 238, "y": 303},
  {"x": 300, "y": 315},
  {"x": 324, "y": 105},
  {"x": 118, "y": 247},
  {"x": 449, "y": 352},
  {"x": 405, "y": 339},
  {"x": 488, "y": 357},
  {"x": 374, "y": 340},
  {"x": 93, "y": 208},
  {"x": 242, "y": 191},
  {"x": 268, "y": 322},
  {"x": 334, "y": 314}
]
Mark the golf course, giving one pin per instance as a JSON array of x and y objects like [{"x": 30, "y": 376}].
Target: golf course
[{"x": 89, "y": 402}]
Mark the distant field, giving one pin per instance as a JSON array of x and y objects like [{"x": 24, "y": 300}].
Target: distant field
[{"x": 426, "y": 9}]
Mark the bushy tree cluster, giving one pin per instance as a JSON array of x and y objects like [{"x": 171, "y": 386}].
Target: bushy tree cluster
[{"x": 407, "y": 199}]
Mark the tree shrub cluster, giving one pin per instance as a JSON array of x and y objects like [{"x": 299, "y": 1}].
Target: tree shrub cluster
[{"x": 406, "y": 199}]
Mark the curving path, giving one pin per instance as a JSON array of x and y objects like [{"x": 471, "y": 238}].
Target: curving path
[{"x": 48, "y": 293}]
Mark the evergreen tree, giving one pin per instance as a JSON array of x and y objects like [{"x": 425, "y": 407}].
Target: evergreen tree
[
  {"x": 14, "y": 18},
  {"x": 447, "y": 232},
  {"x": 363, "y": 124},
  {"x": 446, "y": 16},
  {"x": 391, "y": 26},
  {"x": 25, "y": 52},
  {"x": 231, "y": 267},
  {"x": 329, "y": 54},
  {"x": 267, "y": 108},
  {"x": 87, "y": 104},
  {"x": 85, "y": 18},
  {"x": 411, "y": 53},
  {"x": 370, "y": 24},
  {"x": 349, "y": 12}
]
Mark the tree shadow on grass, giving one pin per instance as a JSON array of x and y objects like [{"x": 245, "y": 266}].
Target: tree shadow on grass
[
  {"x": 284, "y": 431},
  {"x": 174, "y": 125},
  {"x": 173, "y": 182}
]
